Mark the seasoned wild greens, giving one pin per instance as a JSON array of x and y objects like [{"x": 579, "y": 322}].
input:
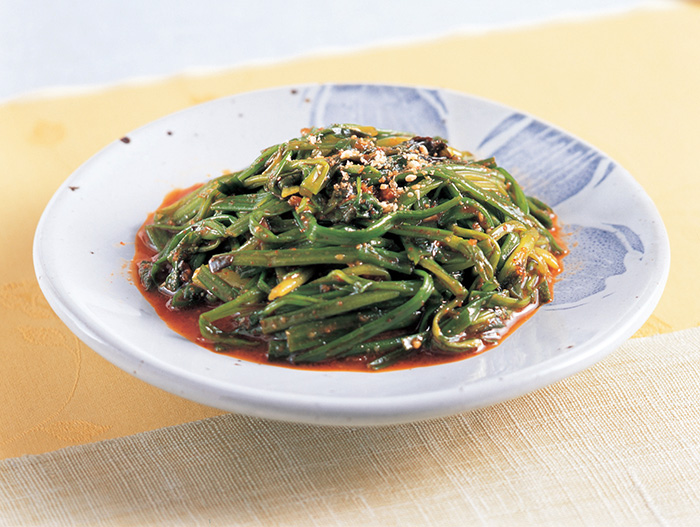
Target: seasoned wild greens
[{"x": 353, "y": 241}]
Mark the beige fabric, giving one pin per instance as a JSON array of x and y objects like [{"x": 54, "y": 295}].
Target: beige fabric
[{"x": 618, "y": 444}]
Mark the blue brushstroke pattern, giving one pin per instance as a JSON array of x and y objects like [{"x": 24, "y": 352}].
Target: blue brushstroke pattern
[
  {"x": 557, "y": 165},
  {"x": 632, "y": 237},
  {"x": 596, "y": 255},
  {"x": 391, "y": 107},
  {"x": 502, "y": 127},
  {"x": 608, "y": 171}
]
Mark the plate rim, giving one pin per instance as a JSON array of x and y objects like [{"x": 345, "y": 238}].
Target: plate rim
[{"x": 350, "y": 410}]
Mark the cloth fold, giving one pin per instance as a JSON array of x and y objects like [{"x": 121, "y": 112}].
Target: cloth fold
[{"x": 616, "y": 444}]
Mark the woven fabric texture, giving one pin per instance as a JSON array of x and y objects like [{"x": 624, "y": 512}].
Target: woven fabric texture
[{"x": 618, "y": 444}]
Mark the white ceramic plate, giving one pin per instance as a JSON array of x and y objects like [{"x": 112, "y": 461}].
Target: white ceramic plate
[{"x": 613, "y": 277}]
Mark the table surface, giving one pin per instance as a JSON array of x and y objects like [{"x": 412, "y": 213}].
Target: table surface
[{"x": 615, "y": 74}]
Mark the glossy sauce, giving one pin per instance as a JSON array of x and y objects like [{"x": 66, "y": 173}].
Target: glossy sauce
[{"x": 186, "y": 321}]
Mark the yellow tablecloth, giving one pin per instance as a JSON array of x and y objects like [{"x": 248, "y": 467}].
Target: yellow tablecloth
[{"x": 627, "y": 84}]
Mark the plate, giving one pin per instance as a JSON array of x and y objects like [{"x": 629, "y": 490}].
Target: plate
[{"x": 613, "y": 277}]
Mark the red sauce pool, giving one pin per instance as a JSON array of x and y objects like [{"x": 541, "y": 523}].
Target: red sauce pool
[{"x": 186, "y": 321}]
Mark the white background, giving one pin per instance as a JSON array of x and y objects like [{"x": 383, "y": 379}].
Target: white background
[{"x": 87, "y": 43}]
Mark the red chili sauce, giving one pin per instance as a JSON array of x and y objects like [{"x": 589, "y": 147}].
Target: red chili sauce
[{"x": 186, "y": 321}]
